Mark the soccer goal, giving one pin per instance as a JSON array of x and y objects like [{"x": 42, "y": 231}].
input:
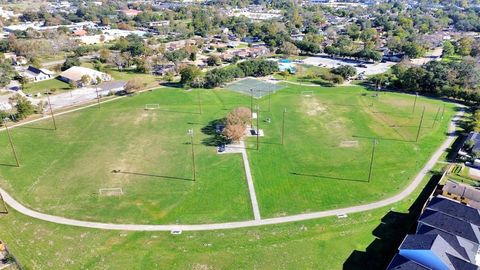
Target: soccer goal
[
  {"x": 152, "y": 106},
  {"x": 307, "y": 93}
]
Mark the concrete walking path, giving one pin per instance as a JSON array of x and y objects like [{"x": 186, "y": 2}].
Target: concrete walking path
[
  {"x": 9, "y": 200},
  {"x": 251, "y": 187}
]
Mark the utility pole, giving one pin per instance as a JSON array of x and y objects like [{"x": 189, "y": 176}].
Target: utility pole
[
  {"x": 251, "y": 104},
  {"x": 51, "y": 111},
  {"x": 420, "y": 125},
  {"x": 415, "y": 103},
  {"x": 11, "y": 143},
  {"x": 374, "y": 143},
  {"x": 443, "y": 111},
  {"x": 98, "y": 96},
  {"x": 199, "y": 101},
  {"x": 258, "y": 129},
  {"x": 283, "y": 124},
  {"x": 190, "y": 132},
  {"x": 436, "y": 116}
]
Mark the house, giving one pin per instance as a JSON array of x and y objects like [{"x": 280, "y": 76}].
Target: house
[
  {"x": 401, "y": 263},
  {"x": 433, "y": 252},
  {"x": 37, "y": 74},
  {"x": 131, "y": 12},
  {"x": 79, "y": 32},
  {"x": 462, "y": 193},
  {"x": 450, "y": 225},
  {"x": 455, "y": 209},
  {"x": 75, "y": 75}
]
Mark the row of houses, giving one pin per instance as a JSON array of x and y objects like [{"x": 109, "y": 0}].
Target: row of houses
[{"x": 447, "y": 236}]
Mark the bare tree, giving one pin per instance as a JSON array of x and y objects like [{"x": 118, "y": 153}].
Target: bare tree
[{"x": 236, "y": 123}]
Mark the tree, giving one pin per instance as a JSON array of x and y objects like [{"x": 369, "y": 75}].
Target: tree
[
  {"x": 176, "y": 56},
  {"x": 189, "y": 74},
  {"x": 133, "y": 85},
  {"x": 118, "y": 60},
  {"x": 414, "y": 50},
  {"x": 214, "y": 60},
  {"x": 236, "y": 123},
  {"x": 86, "y": 79},
  {"x": 464, "y": 46},
  {"x": 104, "y": 55},
  {"x": 70, "y": 62},
  {"x": 288, "y": 48},
  {"x": 23, "y": 107},
  {"x": 345, "y": 71},
  {"x": 448, "y": 48},
  {"x": 7, "y": 72}
]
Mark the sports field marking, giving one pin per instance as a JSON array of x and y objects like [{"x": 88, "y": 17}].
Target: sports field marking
[
  {"x": 110, "y": 191},
  {"x": 349, "y": 144},
  {"x": 152, "y": 106}
]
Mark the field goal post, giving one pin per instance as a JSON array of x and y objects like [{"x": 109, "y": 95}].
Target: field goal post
[
  {"x": 307, "y": 93},
  {"x": 152, "y": 106}
]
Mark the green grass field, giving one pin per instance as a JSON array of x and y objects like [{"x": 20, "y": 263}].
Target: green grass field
[
  {"x": 322, "y": 165},
  {"x": 44, "y": 86},
  {"x": 327, "y": 243}
]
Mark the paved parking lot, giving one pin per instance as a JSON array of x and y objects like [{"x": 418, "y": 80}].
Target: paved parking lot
[{"x": 328, "y": 62}]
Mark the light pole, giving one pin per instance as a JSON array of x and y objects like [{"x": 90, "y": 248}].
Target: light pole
[
  {"x": 374, "y": 143},
  {"x": 420, "y": 125},
  {"x": 283, "y": 124},
  {"x": 51, "y": 111},
  {"x": 251, "y": 104},
  {"x": 443, "y": 111},
  {"x": 98, "y": 96},
  {"x": 190, "y": 132},
  {"x": 258, "y": 129},
  {"x": 11, "y": 142}
]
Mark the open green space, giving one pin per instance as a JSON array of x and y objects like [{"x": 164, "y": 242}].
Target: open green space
[
  {"x": 362, "y": 241},
  {"x": 323, "y": 164},
  {"x": 44, "y": 86}
]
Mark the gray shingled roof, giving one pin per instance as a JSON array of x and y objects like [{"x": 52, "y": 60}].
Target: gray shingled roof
[
  {"x": 401, "y": 263},
  {"x": 450, "y": 224},
  {"x": 455, "y": 209}
]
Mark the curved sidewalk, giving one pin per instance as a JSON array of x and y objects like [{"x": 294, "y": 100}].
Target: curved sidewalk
[{"x": 242, "y": 224}]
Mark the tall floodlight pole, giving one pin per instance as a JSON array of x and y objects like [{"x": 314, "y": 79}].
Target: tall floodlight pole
[
  {"x": 374, "y": 143},
  {"x": 283, "y": 124},
  {"x": 11, "y": 142},
  {"x": 51, "y": 111},
  {"x": 420, "y": 125},
  {"x": 258, "y": 129},
  {"x": 436, "y": 117},
  {"x": 98, "y": 96},
  {"x": 199, "y": 101},
  {"x": 251, "y": 104},
  {"x": 415, "y": 103},
  {"x": 443, "y": 111},
  {"x": 190, "y": 132}
]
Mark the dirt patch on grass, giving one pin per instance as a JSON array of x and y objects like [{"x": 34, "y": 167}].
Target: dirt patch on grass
[
  {"x": 348, "y": 144},
  {"x": 313, "y": 107}
]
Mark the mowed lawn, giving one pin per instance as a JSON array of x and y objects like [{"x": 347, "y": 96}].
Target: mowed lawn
[
  {"x": 63, "y": 171},
  {"x": 325, "y": 160},
  {"x": 323, "y": 164}
]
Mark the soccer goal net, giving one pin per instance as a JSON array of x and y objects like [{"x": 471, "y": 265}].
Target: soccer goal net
[
  {"x": 307, "y": 93},
  {"x": 152, "y": 106}
]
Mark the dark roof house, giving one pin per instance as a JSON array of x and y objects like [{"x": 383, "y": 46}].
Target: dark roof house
[{"x": 455, "y": 209}]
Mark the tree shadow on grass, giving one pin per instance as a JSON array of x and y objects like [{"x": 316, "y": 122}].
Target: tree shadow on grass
[
  {"x": 214, "y": 137},
  {"x": 329, "y": 177},
  {"x": 7, "y": 165},
  {"x": 156, "y": 175},
  {"x": 390, "y": 233}
]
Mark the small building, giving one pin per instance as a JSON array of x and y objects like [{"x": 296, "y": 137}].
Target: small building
[
  {"x": 462, "y": 193},
  {"x": 75, "y": 74},
  {"x": 37, "y": 74},
  {"x": 131, "y": 12}
]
